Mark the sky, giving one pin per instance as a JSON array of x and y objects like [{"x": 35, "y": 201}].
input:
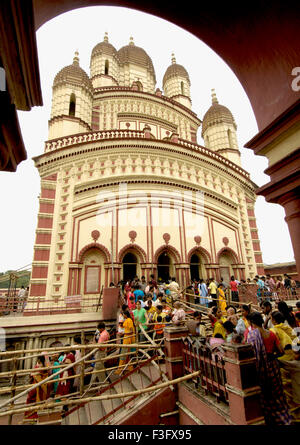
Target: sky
[{"x": 81, "y": 30}]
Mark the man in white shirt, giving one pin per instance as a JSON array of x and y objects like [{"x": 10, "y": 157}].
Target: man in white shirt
[
  {"x": 174, "y": 288},
  {"x": 21, "y": 296}
]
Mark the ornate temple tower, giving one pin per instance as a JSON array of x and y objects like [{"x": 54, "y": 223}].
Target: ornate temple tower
[
  {"x": 104, "y": 65},
  {"x": 72, "y": 101},
  {"x": 176, "y": 84},
  {"x": 219, "y": 131},
  {"x": 125, "y": 188}
]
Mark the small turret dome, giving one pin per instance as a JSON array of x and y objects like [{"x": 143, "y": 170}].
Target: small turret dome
[
  {"x": 216, "y": 114},
  {"x": 134, "y": 54},
  {"x": 175, "y": 70},
  {"x": 104, "y": 48},
  {"x": 73, "y": 74}
]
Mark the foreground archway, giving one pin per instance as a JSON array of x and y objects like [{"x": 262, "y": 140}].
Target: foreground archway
[{"x": 265, "y": 67}]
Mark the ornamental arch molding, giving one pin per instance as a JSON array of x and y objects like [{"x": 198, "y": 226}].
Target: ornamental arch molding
[
  {"x": 170, "y": 250},
  {"x": 200, "y": 251},
  {"x": 134, "y": 248},
  {"x": 98, "y": 246},
  {"x": 229, "y": 251}
]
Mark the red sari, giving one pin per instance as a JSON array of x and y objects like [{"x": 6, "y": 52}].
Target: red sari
[{"x": 65, "y": 386}]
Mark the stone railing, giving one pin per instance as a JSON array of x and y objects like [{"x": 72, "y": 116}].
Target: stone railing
[
  {"x": 213, "y": 155},
  {"x": 68, "y": 141},
  {"x": 82, "y": 138}
]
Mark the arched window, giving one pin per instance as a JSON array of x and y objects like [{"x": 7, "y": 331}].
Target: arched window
[
  {"x": 139, "y": 85},
  {"x": 106, "y": 68},
  {"x": 72, "y": 105},
  {"x": 182, "y": 88}
]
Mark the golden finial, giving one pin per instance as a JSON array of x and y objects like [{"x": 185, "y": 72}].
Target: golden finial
[
  {"x": 173, "y": 58},
  {"x": 105, "y": 37},
  {"x": 214, "y": 96},
  {"x": 76, "y": 58},
  {"x": 131, "y": 42}
]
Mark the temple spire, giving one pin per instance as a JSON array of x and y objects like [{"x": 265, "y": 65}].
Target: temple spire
[
  {"x": 173, "y": 58},
  {"x": 214, "y": 99},
  {"x": 105, "y": 37},
  {"x": 76, "y": 58},
  {"x": 131, "y": 42}
]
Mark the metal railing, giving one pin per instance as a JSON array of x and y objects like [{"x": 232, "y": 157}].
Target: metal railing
[
  {"x": 198, "y": 356},
  {"x": 48, "y": 306}
]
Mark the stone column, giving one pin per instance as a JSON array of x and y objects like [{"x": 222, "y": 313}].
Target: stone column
[
  {"x": 291, "y": 203},
  {"x": 173, "y": 349},
  {"x": 242, "y": 386}
]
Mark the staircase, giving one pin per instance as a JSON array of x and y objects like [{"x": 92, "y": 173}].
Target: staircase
[{"x": 123, "y": 410}]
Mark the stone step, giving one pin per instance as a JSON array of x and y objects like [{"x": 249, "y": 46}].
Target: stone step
[
  {"x": 151, "y": 372},
  {"x": 139, "y": 379},
  {"x": 94, "y": 410}
]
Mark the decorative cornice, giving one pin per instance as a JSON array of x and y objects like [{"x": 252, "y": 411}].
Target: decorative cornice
[
  {"x": 87, "y": 187},
  {"x": 146, "y": 96},
  {"x": 105, "y": 136}
]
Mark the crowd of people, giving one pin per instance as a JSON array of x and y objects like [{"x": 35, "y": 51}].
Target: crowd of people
[
  {"x": 273, "y": 330},
  {"x": 146, "y": 309},
  {"x": 207, "y": 292}
]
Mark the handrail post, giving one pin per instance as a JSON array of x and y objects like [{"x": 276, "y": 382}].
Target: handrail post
[
  {"x": 242, "y": 384},
  {"x": 173, "y": 348}
]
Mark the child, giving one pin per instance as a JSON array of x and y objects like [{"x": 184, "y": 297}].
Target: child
[
  {"x": 229, "y": 327},
  {"x": 159, "y": 328}
]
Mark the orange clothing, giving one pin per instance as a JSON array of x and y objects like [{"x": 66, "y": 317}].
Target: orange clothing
[{"x": 159, "y": 328}]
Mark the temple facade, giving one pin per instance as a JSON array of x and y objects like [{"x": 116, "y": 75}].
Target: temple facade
[{"x": 125, "y": 187}]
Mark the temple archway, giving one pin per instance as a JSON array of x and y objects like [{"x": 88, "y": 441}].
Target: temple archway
[
  {"x": 198, "y": 257},
  {"x": 195, "y": 267},
  {"x": 129, "y": 263},
  {"x": 165, "y": 267},
  {"x": 93, "y": 272},
  {"x": 226, "y": 259}
]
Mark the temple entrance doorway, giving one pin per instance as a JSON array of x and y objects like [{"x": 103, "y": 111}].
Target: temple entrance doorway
[
  {"x": 163, "y": 266},
  {"x": 195, "y": 267},
  {"x": 129, "y": 266}
]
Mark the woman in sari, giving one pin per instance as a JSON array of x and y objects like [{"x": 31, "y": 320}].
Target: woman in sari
[
  {"x": 217, "y": 320},
  {"x": 221, "y": 299},
  {"x": 266, "y": 345},
  {"x": 66, "y": 386},
  {"x": 40, "y": 393},
  {"x": 128, "y": 339}
]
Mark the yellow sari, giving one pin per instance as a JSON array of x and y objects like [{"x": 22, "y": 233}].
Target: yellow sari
[
  {"x": 222, "y": 301},
  {"x": 128, "y": 339},
  {"x": 219, "y": 328}
]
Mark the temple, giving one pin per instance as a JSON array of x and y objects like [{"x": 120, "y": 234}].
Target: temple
[{"x": 126, "y": 189}]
